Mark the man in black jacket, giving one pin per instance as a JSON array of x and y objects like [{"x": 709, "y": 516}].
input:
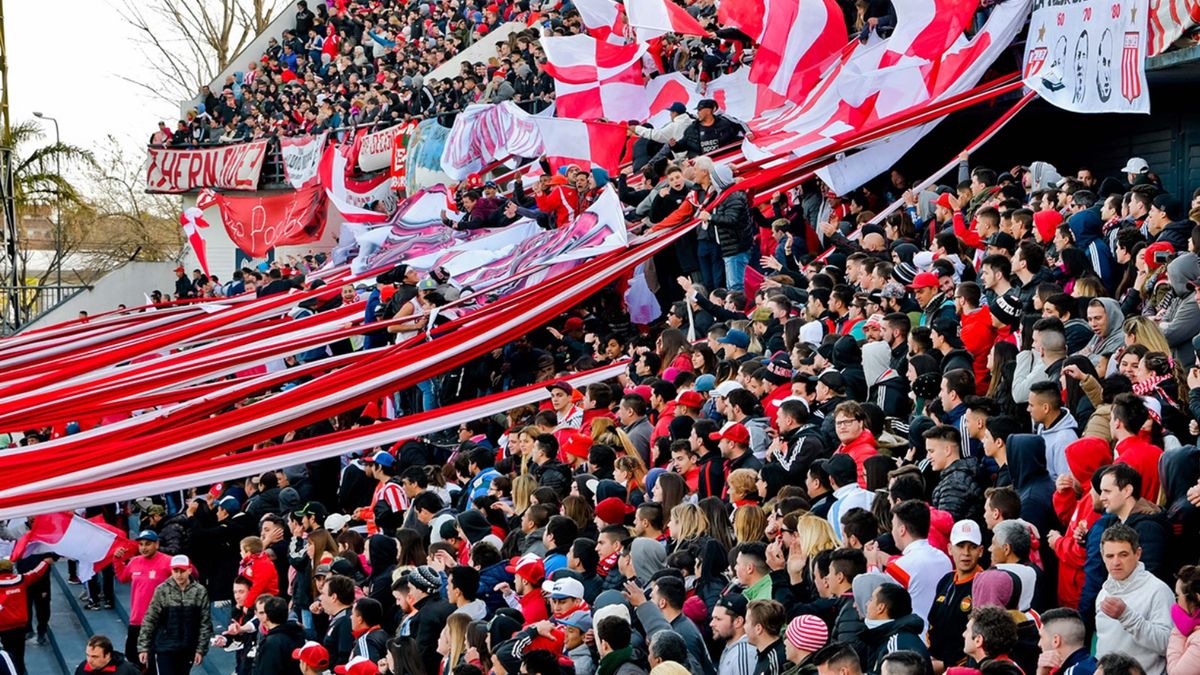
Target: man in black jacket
[
  {"x": 430, "y": 613},
  {"x": 336, "y": 598},
  {"x": 100, "y": 659},
  {"x": 274, "y": 653},
  {"x": 709, "y": 132},
  {"x": 729, "y": 223}
]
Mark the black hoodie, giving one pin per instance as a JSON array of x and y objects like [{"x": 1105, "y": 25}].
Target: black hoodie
[
  {"x": 903, "y": 633},
  {"x": 274, "y": 655},
  {"x": 1180, "y": 470},
  {"x": 383, "y": 552},
  {"x": 1027, "y": 468}
]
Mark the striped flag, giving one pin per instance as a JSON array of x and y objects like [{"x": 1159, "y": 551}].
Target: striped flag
[
  {"x": 72, "y": 536},
  {"x": 655, "y": 18}
]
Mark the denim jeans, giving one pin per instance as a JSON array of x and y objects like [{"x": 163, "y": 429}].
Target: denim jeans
[
  {"x": 711, "y": 272},
  {"x": 429, "y": 393},
  {"x": 735, "y": 270}
]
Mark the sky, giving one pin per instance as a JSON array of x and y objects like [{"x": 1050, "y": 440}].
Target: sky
[{"x": 64, "y": 59}]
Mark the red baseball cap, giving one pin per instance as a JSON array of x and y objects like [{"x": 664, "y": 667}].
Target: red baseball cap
[
  {"x": 735, "y": 432},
  {"x": 924, "y": 280},
  {"x": 943, "y": 201},
  {"x": 573, "y": 323},
  {"x": 358, "y": 665},
  {"x": 312, "y": 654},
  {"x": 690, "y": 399},
  {"x": 529, "y": 567},
  {"x": 577, "y": 443},
  {"x": 613, "y": 510},
  {"x": 561, "y": 384}
]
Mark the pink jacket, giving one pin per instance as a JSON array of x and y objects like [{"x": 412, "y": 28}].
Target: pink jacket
[
  {"x": 143, "y": 576},
  {"x": 1183, "y": 654}
]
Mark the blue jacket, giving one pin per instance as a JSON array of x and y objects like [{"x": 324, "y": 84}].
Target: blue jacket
[
  {"x": 1079, "y": 663},
  {"x": 1094, "y": 570},
  {"x": 488, "y": 578},
  {"x": 1088, "y": 229}
]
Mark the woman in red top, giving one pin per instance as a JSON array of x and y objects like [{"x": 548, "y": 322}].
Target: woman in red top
[{"x": 674, "y": 350}]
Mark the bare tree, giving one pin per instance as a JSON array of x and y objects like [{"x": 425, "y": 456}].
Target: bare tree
[{"x": 187, "y": 43}]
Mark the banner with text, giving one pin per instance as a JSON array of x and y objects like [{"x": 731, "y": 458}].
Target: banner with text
[
  {"x": 301, "y": 156},
  {"x": 258, "y": 224},
  {"x": 1089, "y": 56},
  {"x": 375, "y": 152},
  {"x": 229, "y": 167}
]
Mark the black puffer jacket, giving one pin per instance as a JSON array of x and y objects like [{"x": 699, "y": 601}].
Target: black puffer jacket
[
  {"x": 274, "y": 655},
  {"x": 958, "y": 489},
  {"x": 732, "y": 225}
]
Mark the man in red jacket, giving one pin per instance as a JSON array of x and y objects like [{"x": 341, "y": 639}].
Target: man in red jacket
[
  {"x": 977, "y": 334},
  {"x": 14, "y": 607}
]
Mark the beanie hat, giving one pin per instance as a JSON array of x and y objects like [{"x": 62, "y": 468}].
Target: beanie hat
[
  {"x": 1007, "y": 309},
  {"x": 927, "y": 385},
  {"x": 1156, "y": 247},
  {"x": 807, "y": 633},
  {"x": 904, "y": 273},
  {"x": 474, "y": 525},
  {"x": 425, "y": 579},
  {"x": 612, "y": 510}
]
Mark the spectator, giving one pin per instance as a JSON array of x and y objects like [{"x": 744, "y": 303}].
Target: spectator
[
  {"x": 102, "y": 659},
  {"x": 177, "y": 625},
  {"x": 1133, "y": 609}
]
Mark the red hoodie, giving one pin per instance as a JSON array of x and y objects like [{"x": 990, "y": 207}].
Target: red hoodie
[
  {"x": 1141, "y": 455},
  {"x": 263, "y": 576},
  {"x": 1084, "y": 457},
  {"x": 978, "y": 336}
]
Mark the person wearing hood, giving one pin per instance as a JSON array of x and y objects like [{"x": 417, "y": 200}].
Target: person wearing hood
[
  {"x": 1105, "y": 318},
  {"x": 1026, "y": 455},
  {"x": 885, "y": 387},
  {"x": 1088, "y": 229},
  {"x": 1133, "y": 609},
  {"x": 892, "y": 626},
  {"x": 1085, "y": 456},
  {"x": 1053, "y": 423},
  {"x": 1041, "y": 175},
  {"x": 1167, "y": 222},
  {"x": 1001, "y": 588},
  {"x": 847, "y": 359},
  {"x": 729, "y": 223},
  {"x": 977, "y": 333},
  {"x": 648, "y": 556},
  {"x": 1181, "y": 322},
  {"x": 958, "y": 490},
  {"x": 382, "y": 553}
]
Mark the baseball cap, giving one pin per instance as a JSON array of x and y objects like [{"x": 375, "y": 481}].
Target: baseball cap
[
  {"x": 966, "y": 530},
  {"x": 737, "y": 338},
  {"x": 706, "y": 383},
  {"x": 690, "y": 399},
  {"x": 1003, "y": 240},
  {"x": 336, "y": 521},
  {"x": 529, "y": 567},
  {"x": 316, "y": 509},
  {"x": 707, "y": 103},
  {"x": 948, "y": 329},
  {"x": 726, "y": 388},
  {"x": 613, "y": 510},
  {"x": 426, "y": 284},
  {"x": 564, "y": 588},
  {"x": 943, "y": 201},
  {"x": 147, "y": 535},
  {"x": 573, "y": 323},
  {"x": 1169, "y": 205},
  {"x": 358, "y": 665},
  {"x": 834, "y": 380},
  {"x": 924, "y": 280},
  {"x": 230, "y": 504},
  {"x": 733, "y": 431},
  {"x": 312, "y": 654},
  {"x": 677, "y": 107},
  {"x": 382, "y": 458},
  {"x": 561, "y": 384},
  {"x": 577, "y": 444},
  {"x": 580, "y": 619},
  {"x": 1136, "y": 165},
  {"x": 734, "y": 603},
  {"x": 181, "y": 562}
]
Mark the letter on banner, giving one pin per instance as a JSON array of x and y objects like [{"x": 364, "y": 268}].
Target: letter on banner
[
  {"x": 1089, "y": 56},
  {"x": 229, "y": 167}
]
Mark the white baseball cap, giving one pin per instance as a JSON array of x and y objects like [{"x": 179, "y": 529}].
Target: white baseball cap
[
  {"x": 181, "y": 562},
  {"x": 726, "y": 388},
  {"x": 966, "y": 530},
  {"x": 1136, "y": 165},
  {"x": 334, "y": 522},
  {"x": 564, "y": 588}
]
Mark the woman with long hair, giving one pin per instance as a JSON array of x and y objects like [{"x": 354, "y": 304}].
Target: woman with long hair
[
  {"x": 477, "y": 640},
  {"x": 452, "y": 642},
  {"x": 1075, "y": 398},
  {"x": 749, "y": 524},
  {"x": 412, "y": 549},
  {"x": 521, "y": 447},
  {"x": 321, "y": 549},
  {"x": 631, "y": 474},
  {"x": 669, "y": 490},
  {"x": 813, "y": 535},
  {"x": 403, "y": 657},
  {"x": 716, "y": 510},
  {"x": 704, "y": 361},
  {"x": 674, "y": 351},
  {"x": 579, "y": 509},
  {"x": 1162, "y": 378},
  {"x": 606, "y": 432}
]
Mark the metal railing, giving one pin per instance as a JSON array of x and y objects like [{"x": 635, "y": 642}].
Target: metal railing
[{"x": 21, "y": 305}]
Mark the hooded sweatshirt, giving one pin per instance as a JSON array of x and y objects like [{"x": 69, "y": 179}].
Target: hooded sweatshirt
[
  {"x": 1043, "y": 175},
  {"x": 1088, "y": 229},
  {"x": 1027, "y": 468},
  {"x": 1057, "y": 437},
  {"x": 1182, "y": 320},
  {"x": 885, "y": 387},
  {"x": 1085, "y": 456},
  {"x": 1144, "y": 629},
  {"x": 1113, "y": 338}
]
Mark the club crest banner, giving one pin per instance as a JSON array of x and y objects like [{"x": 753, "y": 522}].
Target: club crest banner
[{"x": 1089, "y": 56}]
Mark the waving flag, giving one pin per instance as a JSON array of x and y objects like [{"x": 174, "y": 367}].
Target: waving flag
[
  {"x": 587, "y": 144},
  {"x": 582, "y": 59},
  {"x": 603, "y": 20},
  {"x": 655, "y": 18},
  {"x": 72, "y": 536},
  {"x": 192, "y": 219},
  {"x": 796, "y": 40}
]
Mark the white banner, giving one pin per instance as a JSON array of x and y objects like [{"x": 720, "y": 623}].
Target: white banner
[
  {"x": 301, "y": 156},
  {"x": 1089, "y": 56},
  {"x": 228, "y": 167},
  {"x": 375, "y": 152}
]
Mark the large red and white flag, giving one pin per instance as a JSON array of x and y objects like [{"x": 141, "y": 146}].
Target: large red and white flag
[
  {"x": 588, "y": 144},
  {"x": 582, "y": 59},
  {"x": 655, "y": 18},
  {"x": 72, "y": 536},
  {"x": 796, "y": 40},
  {"x": 354, "y": 199},
  {"x": 603, "y": 19}
]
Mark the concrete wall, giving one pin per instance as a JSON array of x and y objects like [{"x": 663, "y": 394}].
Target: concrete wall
[{"x": 127, "y": 285}]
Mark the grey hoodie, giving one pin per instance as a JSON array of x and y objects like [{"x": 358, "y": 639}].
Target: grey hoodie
[
  {"x": 1182, "y": 320},
  {"x": 1043, "y": 175},
  {"x": 1064, "y": 431}
]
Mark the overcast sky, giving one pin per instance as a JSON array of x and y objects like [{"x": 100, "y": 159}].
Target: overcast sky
[{"x": 63, "y": 60}]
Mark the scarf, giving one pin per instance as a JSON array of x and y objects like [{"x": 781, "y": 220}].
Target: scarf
[
  {"x": 1149, "y": 386},
  {"x": 605, "y": 566},
  {"x": 359, "y": 633},
  {"x": 1184, "y": 622},
  {"x": 613, "y": 660}
]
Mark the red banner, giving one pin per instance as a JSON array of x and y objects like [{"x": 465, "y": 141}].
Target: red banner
[
  {"x": 400, "y": 156},
  {"x": 230, "y": 167},
  {"x": 258, "y": 224}
]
